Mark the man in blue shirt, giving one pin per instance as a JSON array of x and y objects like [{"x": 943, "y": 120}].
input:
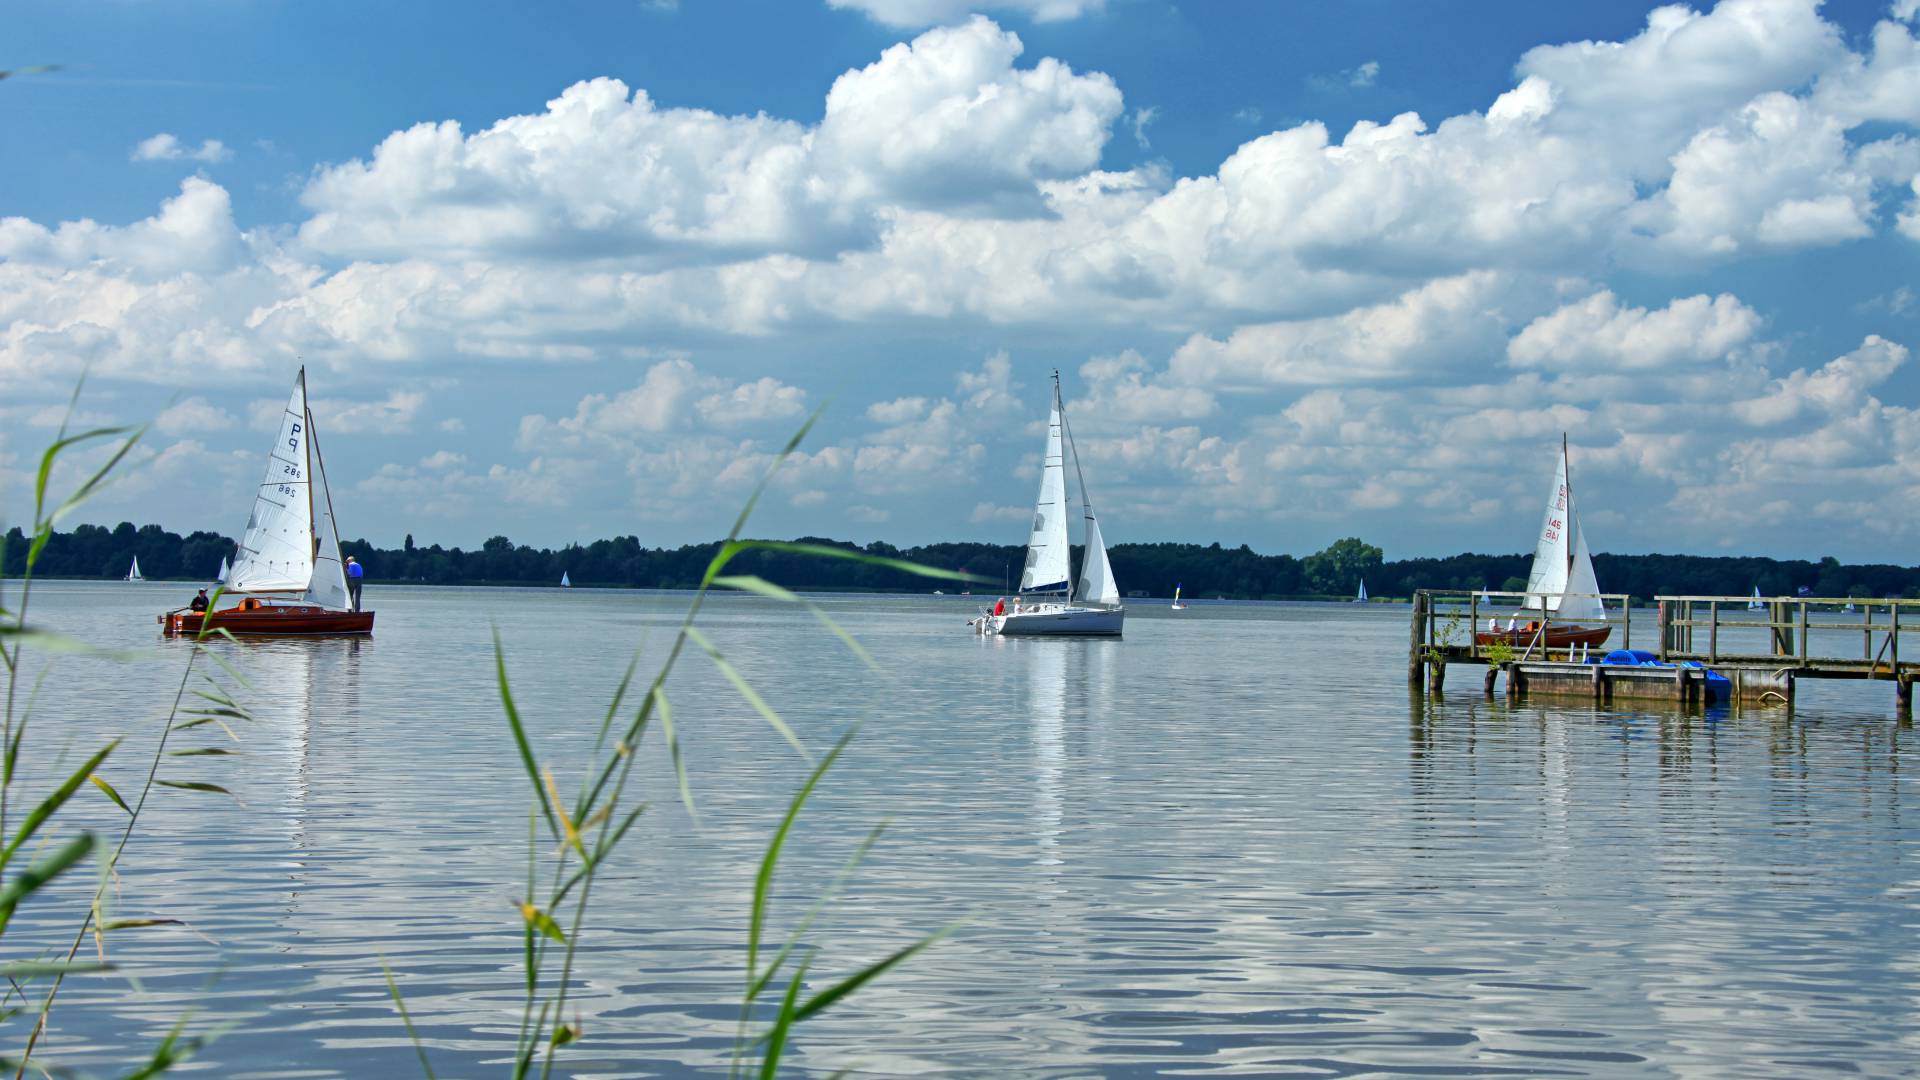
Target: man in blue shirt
[{"x": 353, "y": 582}]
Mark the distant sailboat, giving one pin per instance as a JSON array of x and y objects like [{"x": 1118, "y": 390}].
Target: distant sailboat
[
  {"x": 1050, "y": 605},
  {"x": 1177, "y": 605},
  {"x": 565, "y": 581},
  {"x": 221, "y": 577},
  {"x": 133, "y": 573},
  {"x": 1486, "y": 597},
  {"x": 1561, "y": 582},
  {"x": 1362, "y": 598},
  {"x": 1755, "y": 604}
]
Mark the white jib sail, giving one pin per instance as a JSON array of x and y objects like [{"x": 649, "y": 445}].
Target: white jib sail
[
  {"x": 328, "y": 586},
  {"x": 1581, "y": 604},
  {"x": 276, "y": 554},
  {"x": 1096, "y": 574},
  {"x": 1046, "y": 569},
  {"x": 222, "y": 574}
]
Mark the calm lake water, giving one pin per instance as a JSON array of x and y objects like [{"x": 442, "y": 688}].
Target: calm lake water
[{"x": 1228, "y": 844}]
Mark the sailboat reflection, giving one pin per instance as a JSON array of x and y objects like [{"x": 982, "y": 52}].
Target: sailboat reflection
[{"x": 1046, "y": 670}]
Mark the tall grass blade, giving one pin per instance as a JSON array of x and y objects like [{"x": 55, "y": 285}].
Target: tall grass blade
[
  {"x": 101, "y": 783},
  {"x": 393, "y": 989},
  {"x": 747, "y": 691},
  {"x": 520, "y": 733},
  {"x": 761, "y": 587},
  {"x": 866, "y": 975},
  {"x": 763, "y": 880},
  {"x": 673, "y": 749},
  {"x": 26, "y": 881},
  {"x": 777, "y": 1038},
  {"x": 53, "y": 802}
]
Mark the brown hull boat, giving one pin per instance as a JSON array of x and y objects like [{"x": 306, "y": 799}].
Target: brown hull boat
[
  {"x": 279, "y": 620},
  {"x": 1556, "y": 637}
]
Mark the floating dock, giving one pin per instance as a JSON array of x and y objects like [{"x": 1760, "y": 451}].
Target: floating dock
[{"x": 1761, "y": 650}]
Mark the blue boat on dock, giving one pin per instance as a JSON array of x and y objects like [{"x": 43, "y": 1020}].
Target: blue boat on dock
[{"x": 1719, "y": 689}]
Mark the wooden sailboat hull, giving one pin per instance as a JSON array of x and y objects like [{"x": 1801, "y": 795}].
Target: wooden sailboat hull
[
  {"x": 280, "y": 620},
  {"x": 1556, "y": 637}
]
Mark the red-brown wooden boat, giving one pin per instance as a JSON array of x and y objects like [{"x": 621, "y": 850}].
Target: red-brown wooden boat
[
  {"x": 287, "y": 574},
  {"x": 1556, "y": 637},
  {"x": 264, "y": 617}
]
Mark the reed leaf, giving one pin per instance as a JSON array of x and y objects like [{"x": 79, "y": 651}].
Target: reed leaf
[
  {"x": 777, "y": 1038},
  {"x": 34, "y": 969},
  {"x": 806, "y": 921},
  {"x": 747, "y": 691},
  {"x": 26, "y": 881},
  {"x": 542, "y": 922},
  {"x": 827, "y": 551},
  {"x": 763, "y": 880},
  {"x": 673, "y": 749},
  {"x": 53, "y": 802},
  {"x": 761, "y": 587},
  {"x": 867, "y": 974},
  {"x": 406, "y": 1021},
  {"x": 194, "y": 785},
  {"x": 137, "y": 924},
  {"x": 520, "y": 733},
  {"x": 101, "y": 783}
]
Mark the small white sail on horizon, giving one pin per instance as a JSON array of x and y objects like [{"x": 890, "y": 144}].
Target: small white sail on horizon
[
  {"x": 1362, "y": 598},
  {"x": 565, "y": 581},
  {"x": 1177, "y": 605},
  {"x": 1755, "y": 604},
  {"x": 133, "y": 572}
]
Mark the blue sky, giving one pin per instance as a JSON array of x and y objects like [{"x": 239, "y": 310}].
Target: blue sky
[{"x": 1307, "y": 270}]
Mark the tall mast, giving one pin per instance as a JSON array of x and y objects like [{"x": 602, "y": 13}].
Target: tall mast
[
  {"x": 1066, "y": 431},
  {"x": 306, "y": 444},
  {"x": 1566, "y": 466}
]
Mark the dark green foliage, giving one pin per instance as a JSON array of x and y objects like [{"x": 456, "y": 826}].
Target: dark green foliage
[{"x": 1207, "y": 570}]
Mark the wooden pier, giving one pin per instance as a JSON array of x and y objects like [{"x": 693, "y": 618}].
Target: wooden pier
[{"x": 1762, "y": 651}]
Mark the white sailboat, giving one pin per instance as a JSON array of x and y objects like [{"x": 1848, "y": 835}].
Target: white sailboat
[
  {"x": 565, "y": 581},
  {"x": 1755, "y": 604},
  {"x": 133, "y": 573},
  {"x": 1561, "y": 589},
  {"x": 1362, "y": 598},
  {"x": 1177, "y": 605},
  {"x": 1048, "y": 603},
  {"x": 288, "y": 576}
]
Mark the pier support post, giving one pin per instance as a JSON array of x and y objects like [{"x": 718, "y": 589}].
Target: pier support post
[
  {"x": 1416, "y": 645},
  {"x": 1516, "y": 682},
  {"x": 1436, "y": 676},
  {"x": 1903, "y": 697},
  {"x": 1493, "y": 672}
]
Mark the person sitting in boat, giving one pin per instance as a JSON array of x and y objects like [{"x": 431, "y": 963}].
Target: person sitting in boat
[
  {"x": 199, "y": 601},
  {"x": 1000, "y": 606}
]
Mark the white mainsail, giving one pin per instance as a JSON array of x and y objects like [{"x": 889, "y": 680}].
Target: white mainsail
[
  {"x": 1561, "y": 562},
  {"x": 1362, "y": 597},
  {"x": 565, "y": 581},
  {"x": 133, "y": 572},
  {"x": 276, "y": 554},
  {"x": 1755, "y": 604},
  {"x": 1047, "y": 555}
]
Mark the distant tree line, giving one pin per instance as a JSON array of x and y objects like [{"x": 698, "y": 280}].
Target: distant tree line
[{"x": 1209, "y": 570}]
